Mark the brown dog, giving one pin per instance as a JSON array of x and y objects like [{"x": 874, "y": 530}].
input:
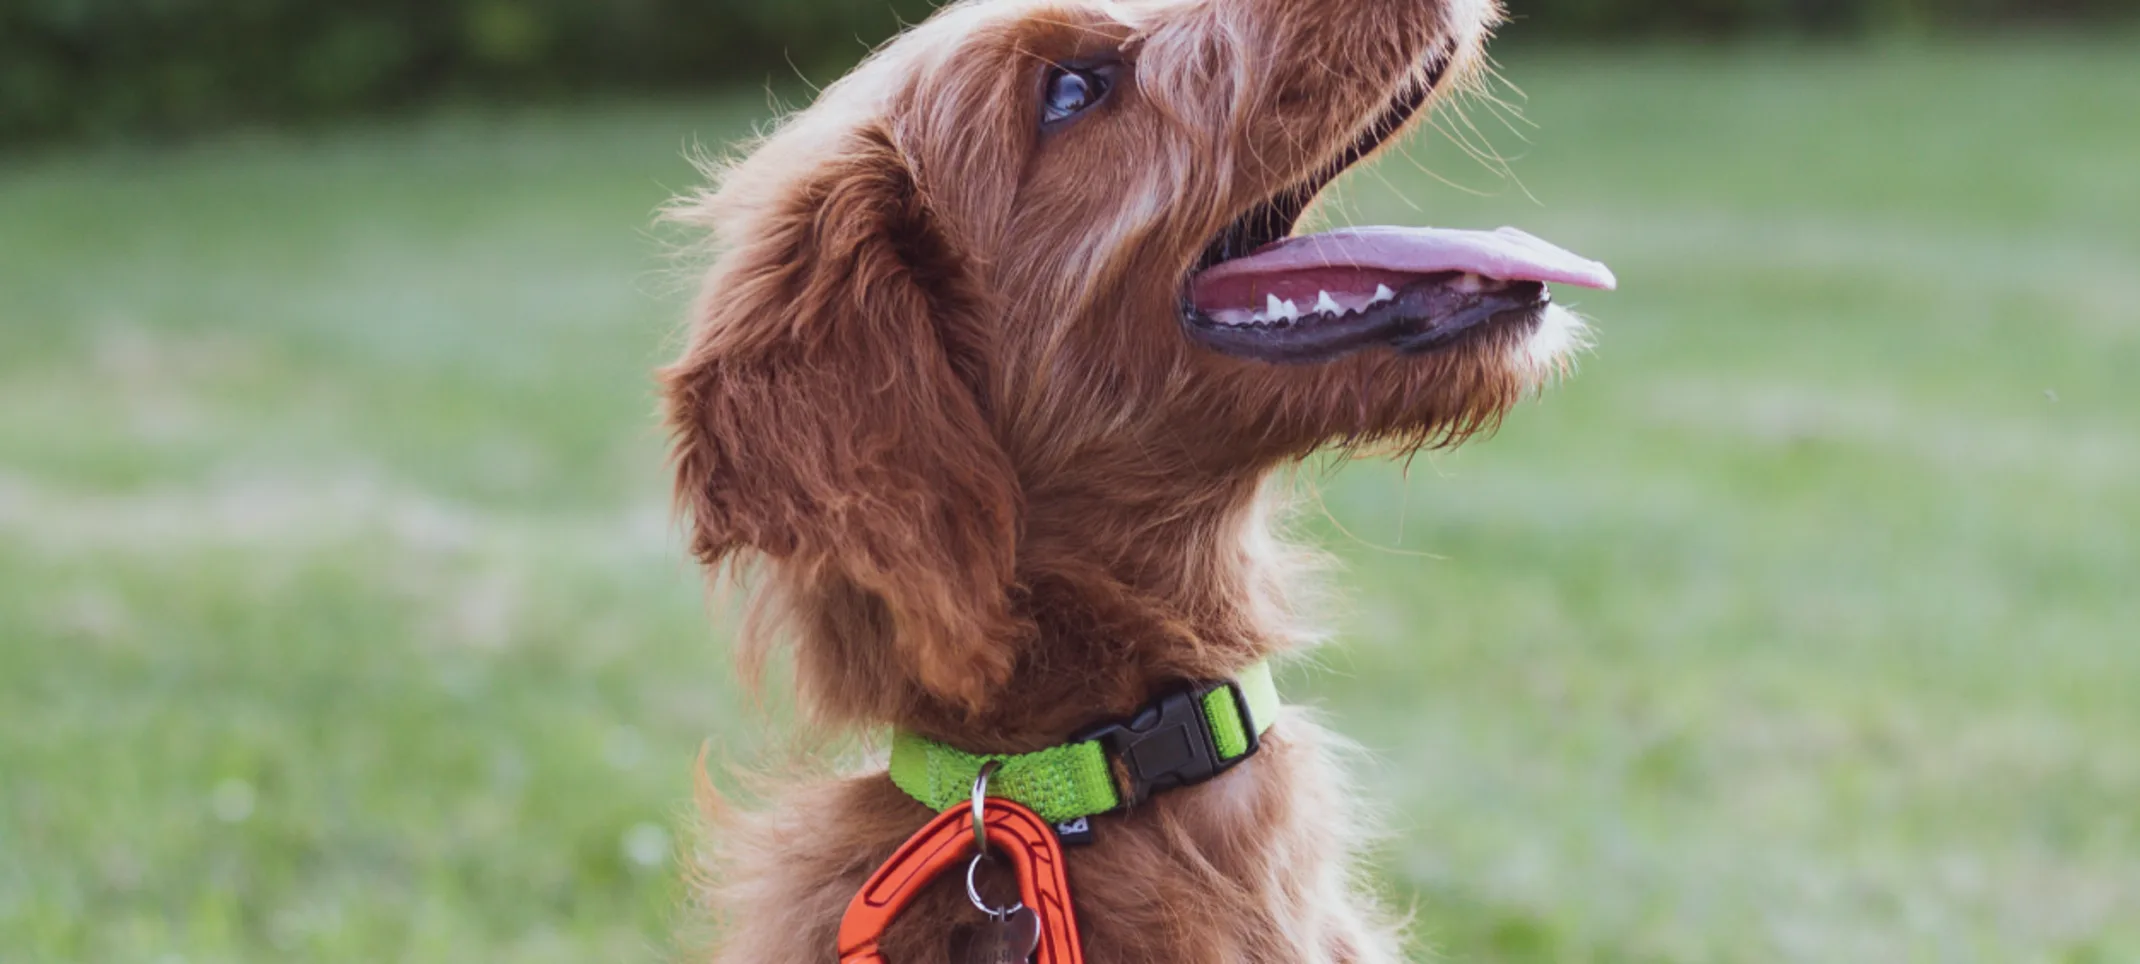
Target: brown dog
[{"x": 991, "y": 374}]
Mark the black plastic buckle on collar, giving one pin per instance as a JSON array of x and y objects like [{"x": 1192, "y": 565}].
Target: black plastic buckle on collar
[{"x": 1169, "y": 743}]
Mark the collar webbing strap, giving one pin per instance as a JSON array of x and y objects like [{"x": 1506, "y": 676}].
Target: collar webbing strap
[{"x": 1181, "y": 739}]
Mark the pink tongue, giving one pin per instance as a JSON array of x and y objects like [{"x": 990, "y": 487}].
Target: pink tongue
[{"x": 1349, "y": 258}]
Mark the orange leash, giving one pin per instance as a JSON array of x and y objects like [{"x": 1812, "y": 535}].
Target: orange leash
[{"x": 1035, "y": 852}]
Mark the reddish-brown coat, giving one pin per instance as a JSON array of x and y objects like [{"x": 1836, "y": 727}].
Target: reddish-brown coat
[{"x": 936, "y": 389}]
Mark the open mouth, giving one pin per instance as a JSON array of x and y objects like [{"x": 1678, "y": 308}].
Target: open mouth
[{"x": 1260, "y": 294}]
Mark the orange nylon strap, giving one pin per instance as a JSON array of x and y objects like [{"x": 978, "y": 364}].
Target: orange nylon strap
[{"x": 1035, "y": 852}]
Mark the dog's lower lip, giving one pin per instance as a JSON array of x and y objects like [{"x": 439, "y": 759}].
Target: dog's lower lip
[{"x": 1432, "y": 314}]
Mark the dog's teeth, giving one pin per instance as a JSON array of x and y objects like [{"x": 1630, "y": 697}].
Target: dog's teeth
[
  {"x": 1328, "y": 305},
  {"x": 1274, "y": 308},
  {"x": 1382, "y": 294},
  {"x": 1292, "y": 311}
]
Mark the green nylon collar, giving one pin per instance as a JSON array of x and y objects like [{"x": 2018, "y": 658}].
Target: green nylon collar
[{"x": 1074, "y": 780}]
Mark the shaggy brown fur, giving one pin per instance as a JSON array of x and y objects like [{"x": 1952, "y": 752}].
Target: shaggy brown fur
[{"x": 938, "y": 384}]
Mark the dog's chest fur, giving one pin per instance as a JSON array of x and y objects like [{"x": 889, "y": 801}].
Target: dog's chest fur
[{"x": 1257, "y": 867}]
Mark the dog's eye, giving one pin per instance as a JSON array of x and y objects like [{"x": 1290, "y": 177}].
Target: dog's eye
[{"x": 1070, "y": 90}]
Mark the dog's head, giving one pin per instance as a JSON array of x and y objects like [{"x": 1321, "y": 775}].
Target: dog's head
[{"x": 1022, "y": 278}]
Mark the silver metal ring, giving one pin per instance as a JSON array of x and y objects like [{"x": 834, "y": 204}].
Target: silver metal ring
[
  {"x": 973, "y": 893},
  {"x": 980, "y": 815}
]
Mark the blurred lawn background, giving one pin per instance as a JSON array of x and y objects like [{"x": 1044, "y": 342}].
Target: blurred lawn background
[{"x": 341, "y": 617}]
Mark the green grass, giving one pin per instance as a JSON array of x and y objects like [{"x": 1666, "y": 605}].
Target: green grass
[{"x": 340, "y": 618}]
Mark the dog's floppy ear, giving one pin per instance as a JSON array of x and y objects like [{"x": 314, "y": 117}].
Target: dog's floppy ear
[{"x": 827, "y": 412}]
